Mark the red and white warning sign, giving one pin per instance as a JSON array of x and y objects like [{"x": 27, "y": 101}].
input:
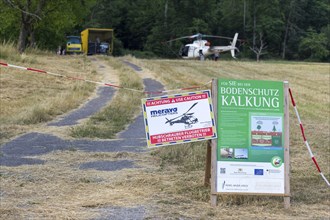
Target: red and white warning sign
[{"x": 179, "y": 118}]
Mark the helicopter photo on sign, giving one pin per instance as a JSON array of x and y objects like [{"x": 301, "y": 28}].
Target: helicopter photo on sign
[{"x": 179, "y": 118}]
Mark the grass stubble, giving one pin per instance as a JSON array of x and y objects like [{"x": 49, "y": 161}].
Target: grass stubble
[
  {"x": 169, "y": 180},
  {"x": 29, "y": 99},
  {"x": 121, "y": 111}
]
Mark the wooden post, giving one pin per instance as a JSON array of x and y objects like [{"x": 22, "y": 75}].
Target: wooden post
[
  {"x": 286, "y": 147},
  {"x": 214, "y": 146},
  {"x": 208, "y": 164}
]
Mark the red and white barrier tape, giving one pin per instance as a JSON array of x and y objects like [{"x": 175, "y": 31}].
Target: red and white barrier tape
[
  {"x": 99, "y": 83},
  {"x": 305, "y": 140}
]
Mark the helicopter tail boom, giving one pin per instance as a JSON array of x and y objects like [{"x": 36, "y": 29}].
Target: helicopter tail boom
[{"x": 231, "y": 47}]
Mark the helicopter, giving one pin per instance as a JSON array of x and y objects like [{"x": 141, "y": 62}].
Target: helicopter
[
  {"x": 201, "y": 48},
  {"x": 186, "y": 118}
]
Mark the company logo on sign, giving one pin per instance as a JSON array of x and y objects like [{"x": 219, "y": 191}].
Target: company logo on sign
[
  {"x": 276, "y": 161},
  {"x": 163, "y": 112}
]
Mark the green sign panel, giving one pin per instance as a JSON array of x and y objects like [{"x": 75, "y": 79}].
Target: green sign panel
[{"x": 250, "y": 153}]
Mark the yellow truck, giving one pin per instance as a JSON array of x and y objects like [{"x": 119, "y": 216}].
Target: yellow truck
[
  {"x": 73, "y": 45},
  {"x": 97, "y": 41}
]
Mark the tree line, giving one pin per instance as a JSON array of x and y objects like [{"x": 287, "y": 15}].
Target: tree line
[{"x": 272, "y": 29}]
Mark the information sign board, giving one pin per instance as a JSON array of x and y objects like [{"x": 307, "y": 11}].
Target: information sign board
[{"x": 251, "y": 136}]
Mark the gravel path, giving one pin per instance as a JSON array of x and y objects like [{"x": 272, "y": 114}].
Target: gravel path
[{"x": 104, "y": 96}]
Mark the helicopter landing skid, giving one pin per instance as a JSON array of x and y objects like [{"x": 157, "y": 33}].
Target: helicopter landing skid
[{"x": 188, "y": 126}]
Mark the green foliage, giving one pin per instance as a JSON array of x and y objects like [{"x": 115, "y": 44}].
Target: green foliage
[
  {"x": 198, "y": 25},
  {"x": 143, "y": 25},
  {"x": 57, "y": 19},
  {"x": 314, "y": 46},
  {"x": 66, "y": 19},
  {"x": 117, "y": 47},
  {"x": 9, "y": 23}
]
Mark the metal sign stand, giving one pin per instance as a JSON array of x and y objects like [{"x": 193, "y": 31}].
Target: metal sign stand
[
  {"x": 214, "y": 146},
  {"x": 286, "y": 147}
]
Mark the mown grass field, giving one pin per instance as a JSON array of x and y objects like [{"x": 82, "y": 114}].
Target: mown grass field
[{"x": 169, "y": 181}]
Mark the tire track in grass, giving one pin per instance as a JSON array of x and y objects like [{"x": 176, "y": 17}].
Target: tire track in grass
[{"x": 17, "y": 151}]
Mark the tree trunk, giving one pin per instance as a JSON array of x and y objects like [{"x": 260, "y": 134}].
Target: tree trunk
[
  {"x": 287, "y": 30},
  {"x": 28, "y": 18},
  {"x": 254, "y": 23},
  {"x": 165, "y": 13},
  {"x": 284, "y": 41},
  {"x": 244, "y": 17},
  {"x": 258, "y": 51},
  {"x": 24, "y": 30},
  {"x": 32, "y": 37}
]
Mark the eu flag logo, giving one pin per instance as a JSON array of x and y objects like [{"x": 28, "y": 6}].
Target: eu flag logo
[{"x": 259, "y": 172}]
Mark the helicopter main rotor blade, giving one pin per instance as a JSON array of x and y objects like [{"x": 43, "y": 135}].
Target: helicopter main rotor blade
[
  {"x": 186, "y": 113},
  {"x": 173, "y": 119},
  {"x": 200, "y": 36},
  {"x": 179, "y": 38},
  {"x": 221, "y": 37},
  {"x": 191, "y": 107},
  {"x": 214, "y": 36}
]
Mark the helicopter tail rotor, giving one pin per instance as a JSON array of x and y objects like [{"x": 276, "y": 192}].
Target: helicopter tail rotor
[
  {"x": 234, "y": 40},
  {"x": 233, "y": 45},
  {"x": 233, "y": 53}
]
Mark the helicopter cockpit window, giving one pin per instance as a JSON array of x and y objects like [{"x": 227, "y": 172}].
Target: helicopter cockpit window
[{"x": 184, "y": 51}]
